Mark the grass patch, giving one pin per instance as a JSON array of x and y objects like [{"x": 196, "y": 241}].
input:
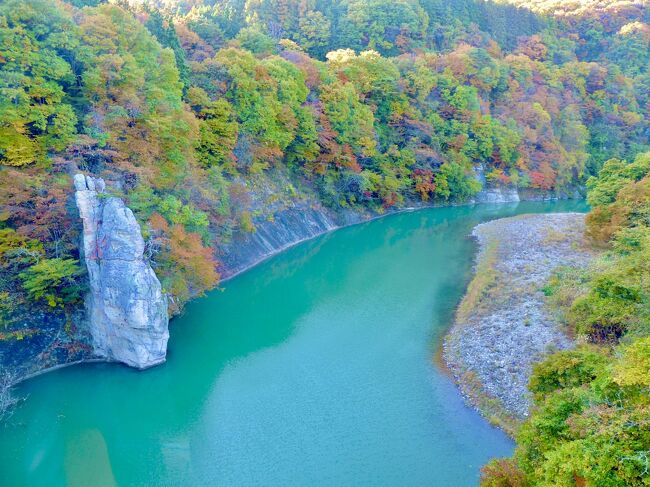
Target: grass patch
[
  {"x": 574, "y": 235},
  {"x": 564, "y": 286},
  {"x": 555, "y": 236},
  {"x": 484, "y": 280},
  {"x": 490, "y": 407}
]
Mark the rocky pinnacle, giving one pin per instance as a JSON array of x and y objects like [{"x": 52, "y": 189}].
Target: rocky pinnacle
[{"x": 126, "y": 305}]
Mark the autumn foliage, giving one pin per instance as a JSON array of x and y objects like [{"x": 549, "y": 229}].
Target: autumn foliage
[{"x": 192, "y": 113}]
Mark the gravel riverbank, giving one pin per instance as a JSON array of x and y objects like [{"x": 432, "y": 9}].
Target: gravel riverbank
[{"x": 502, "y": 325}]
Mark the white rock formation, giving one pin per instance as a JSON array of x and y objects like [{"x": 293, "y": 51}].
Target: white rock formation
[
  {"x": 128, "y": 310},
  {"x": 493, "y": 193},
  {"x": 498, "y": 194}
]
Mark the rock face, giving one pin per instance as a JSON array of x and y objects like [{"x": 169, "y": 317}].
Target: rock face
[
  {"x": 491, "y": 193},
  {"x": 288, "y": 228},
  {"x": 498, "y": 194},
  {"x": 126, "y": 306}
]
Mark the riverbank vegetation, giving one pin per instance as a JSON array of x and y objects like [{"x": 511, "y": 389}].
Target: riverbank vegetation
[{"x": 590, "y": 424}]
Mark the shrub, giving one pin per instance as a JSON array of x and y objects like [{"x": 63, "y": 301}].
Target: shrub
[
  {"x": 570, "y": 368},
  {"x": 57, "y": 281},
  {"x": 502, "y": 472}
]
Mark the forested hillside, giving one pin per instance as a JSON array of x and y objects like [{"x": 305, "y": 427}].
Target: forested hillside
[{"x": 191, "y": 110}]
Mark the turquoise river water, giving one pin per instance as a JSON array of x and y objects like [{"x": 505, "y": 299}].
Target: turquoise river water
[{"x": 314, "y": 368}]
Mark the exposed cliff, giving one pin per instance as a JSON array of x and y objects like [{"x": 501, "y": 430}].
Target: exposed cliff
[
  {"x": 126, "y": 306},
  {"x": 287, "y": 228},
  {"x": 498, "y": 194},
  {"x": 283, "y": 223}
]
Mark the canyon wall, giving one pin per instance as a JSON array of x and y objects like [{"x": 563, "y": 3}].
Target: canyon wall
[{"x": 288, "y": 227}]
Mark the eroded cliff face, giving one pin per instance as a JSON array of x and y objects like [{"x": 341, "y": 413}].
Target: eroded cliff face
[
  {"x": 498, "y": 194},
  {"x": 126, "y": 306},
  {"x": 288, "y": 228},
  {"x": 493, "y": 193}
]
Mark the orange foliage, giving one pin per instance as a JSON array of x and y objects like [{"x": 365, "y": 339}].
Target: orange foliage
[
  {"x": 191, "y": 257},
  {"x": 35, "y": 204},
  {"x": 330, "y": 150},
  {"x": 265, "y": 153},
  {"x": 158, "y": 222},
  {"x": 533, "y": 47},
  {"x": 458, "y": 142},
  {"x": 424, "y": 183},
  {"x": 306, "y": 65},
  {"x": 503, "y": 472},
  {"x": 599, "y": 226},
  {"x": 542, "y": 180},
  {"x": 348, "y": 160},
  {"x": 196, "y": 48},
  {"x": 389, "y": 199},
  {"x": 604, "y": 221}
]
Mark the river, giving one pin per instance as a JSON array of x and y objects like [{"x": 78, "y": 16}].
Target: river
[{"x": 313, "y": 368}]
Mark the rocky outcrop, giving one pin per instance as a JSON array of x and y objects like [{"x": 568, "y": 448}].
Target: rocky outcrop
[
  {"x": 126, "y": 306},
  {"x": 493, "y": 193},
  {"x": 498, "y": 194},
  {"x": 287, "y": 228}
]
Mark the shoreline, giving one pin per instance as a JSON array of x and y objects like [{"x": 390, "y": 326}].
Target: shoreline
[
  {"x": 502, "y": 325},
  {"x": 264, "y": 258},
  {"x": 473, "y": 202}
]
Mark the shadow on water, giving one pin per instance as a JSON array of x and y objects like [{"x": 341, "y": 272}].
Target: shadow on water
[{"x": 313, "y": 367}]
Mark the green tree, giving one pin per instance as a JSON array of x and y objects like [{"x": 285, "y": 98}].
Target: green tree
[
  {"x": 163, "y": 30},
  {"x": 314, "y": 34},
  {"x": 390, "y": 27},
  {"x": 36, "y": 116},
  {"x": 57, "y": 281},
  {"x": 614, "y": 175},
  {"x": 256, "y": 41}
]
